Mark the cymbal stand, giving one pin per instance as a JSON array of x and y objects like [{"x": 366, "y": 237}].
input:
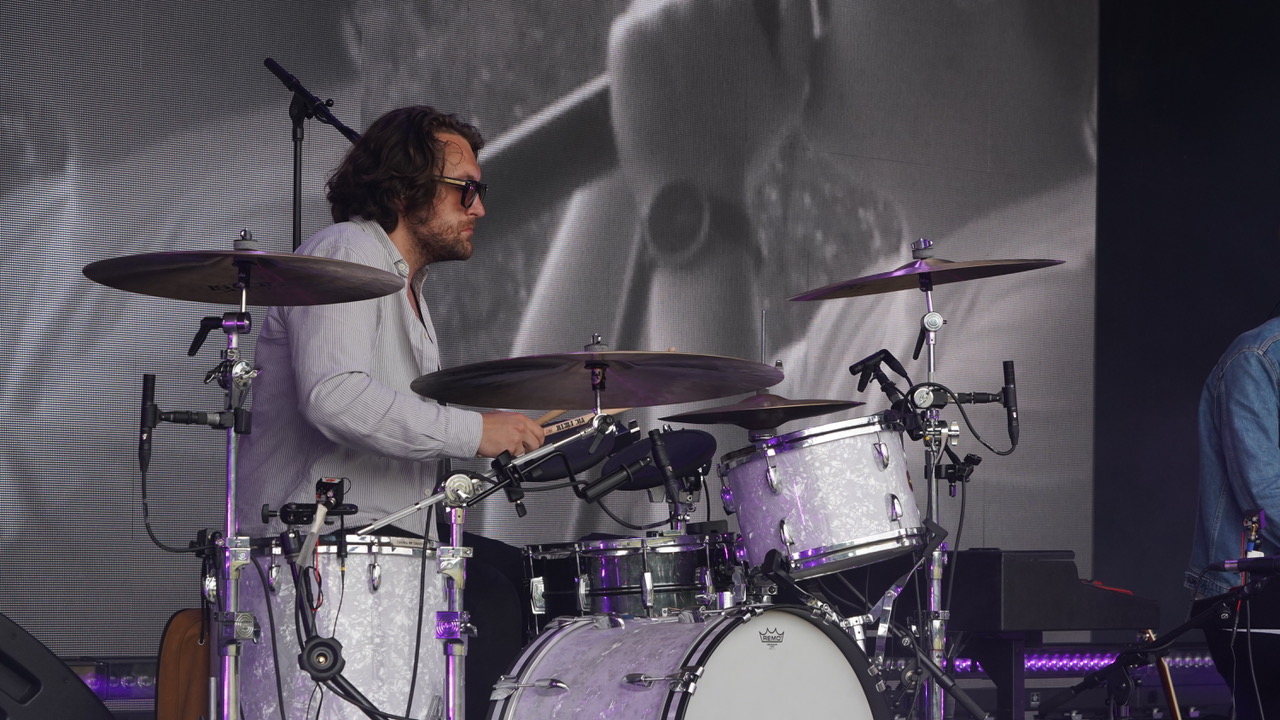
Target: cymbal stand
[
  {"x": 235, "y": 376},
  {"x": 936, "y": 434},
  {"x": 670, "y": 483}
]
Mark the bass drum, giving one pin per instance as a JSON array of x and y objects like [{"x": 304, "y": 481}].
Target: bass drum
[{"x": 752, "y": 661}]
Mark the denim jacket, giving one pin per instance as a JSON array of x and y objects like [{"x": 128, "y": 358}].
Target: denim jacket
[{"x": 1239, "y": 456}]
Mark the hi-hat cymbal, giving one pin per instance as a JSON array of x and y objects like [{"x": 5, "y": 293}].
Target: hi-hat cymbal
[
  {"x": 916, "y": 274},
  {"x": 762, "y": 411},
  {"x": 274, "y": 278},
  {"x": 632, "y": 379}
]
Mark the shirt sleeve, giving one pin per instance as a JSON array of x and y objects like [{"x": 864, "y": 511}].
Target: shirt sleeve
[
  {"x": 1249, "y": 417},
  {"x": 333, "y": 353}
]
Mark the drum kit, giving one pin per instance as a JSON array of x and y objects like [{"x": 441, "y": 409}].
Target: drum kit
[{"x": 631, "y": 626}]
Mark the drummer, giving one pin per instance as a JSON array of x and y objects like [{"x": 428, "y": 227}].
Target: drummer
[{"x": 334, "y": 398}]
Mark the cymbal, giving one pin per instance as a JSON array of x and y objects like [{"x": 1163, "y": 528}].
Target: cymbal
[
  {"x": 632, "y": 379},
  {"x": 917, "y": 273},
  {"x": 762, "y": 411},
  {"x": 274, "y": 278}
]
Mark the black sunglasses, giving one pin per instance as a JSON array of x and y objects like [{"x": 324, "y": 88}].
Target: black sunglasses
[{"x": 471, "y": 189}]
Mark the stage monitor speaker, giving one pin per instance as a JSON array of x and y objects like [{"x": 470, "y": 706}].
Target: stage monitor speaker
[{"x": 36, "y": 685}]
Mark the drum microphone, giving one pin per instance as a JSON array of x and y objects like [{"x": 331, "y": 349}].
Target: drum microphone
[
  {"x": 1010, "y": 397},
  {"x": 150, "y": 411},
  {"x": 1256, "y": 565},
  {"x": 866, "y": 366},
  {"x": 663, "y": 460},
  {"x": 600, "y": 487}
]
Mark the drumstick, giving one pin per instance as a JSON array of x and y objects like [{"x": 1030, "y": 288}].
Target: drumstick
[
  {"x": 550, "y": 416},
  {"x": 578, "y": 421}
]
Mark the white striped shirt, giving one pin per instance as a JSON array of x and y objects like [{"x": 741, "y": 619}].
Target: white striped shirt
[{"x": 333, "y": 398}]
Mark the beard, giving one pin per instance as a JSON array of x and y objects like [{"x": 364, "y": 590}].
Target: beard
[{"x": 439, "y": 241}]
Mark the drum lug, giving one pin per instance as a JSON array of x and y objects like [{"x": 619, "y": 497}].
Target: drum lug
[
  {"x": 882, "y": 453},
  {"x": 705, "y": 582},
  {"x": 273, "y": 575},
  {"x": 609, "y": 622},
  {"x": 771, "y": 475},
  {"x": 211, "y": 588},
  {"x": 726, "y": 497},
  {"x": 375, "y": 574},
  {"x": 895, "y": 508},
  {"x": 507, "y": 685},
  {"x": 784, "y": 534},
  {"x": 584, "y": 590},
  {"x": 683, "y": 680},
  {"x": 537, "y": 594}
]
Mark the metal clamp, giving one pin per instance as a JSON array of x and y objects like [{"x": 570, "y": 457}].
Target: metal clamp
[{"x": 451, "y": 562}]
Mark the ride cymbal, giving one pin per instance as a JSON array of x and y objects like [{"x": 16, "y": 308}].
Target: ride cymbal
[
  {"x": 922, "y": 274},
  {"x": 274, "y": 278},
  {"x": 762, "y": 411},
  {"x": 631, "y": 379}
]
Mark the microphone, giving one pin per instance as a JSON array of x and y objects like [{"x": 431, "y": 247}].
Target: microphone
[
  {"x": 290, "y": 82},
  {"x": 863, "y": 368},
  {"x": 600, "y": 487},
  {"x": 148, "y": 421},
  {"x": 1010, "y": 396},
  {"x": 663, "y": 459},
  {"x": 1257, "y": 565}
]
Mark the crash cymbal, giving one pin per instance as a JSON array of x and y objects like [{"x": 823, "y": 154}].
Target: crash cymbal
[
  {"x": 274, "y": 278},
  {"x": 916, "y": 274},
  {"x": 762, "y": 411},
  {"x": 632, "y": 379}
]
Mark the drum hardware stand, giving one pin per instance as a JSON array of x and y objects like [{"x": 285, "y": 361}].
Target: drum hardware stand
[
  {"x": 460, "y": 491},
  {"x": 235, "y": 376},
  {"x": 320, "y": 657},
  {"x": 1116, "y": 677}
]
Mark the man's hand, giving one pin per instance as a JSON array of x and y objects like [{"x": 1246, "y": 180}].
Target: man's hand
[{"x": 509, "y": 431}]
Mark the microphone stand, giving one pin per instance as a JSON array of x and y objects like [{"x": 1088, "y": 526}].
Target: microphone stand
[
  {"x": 1116, "y": 677},
  {"x": 303, "y": 107}
]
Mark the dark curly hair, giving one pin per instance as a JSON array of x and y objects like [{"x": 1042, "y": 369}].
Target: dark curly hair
[{"x": 389, "y": 169}]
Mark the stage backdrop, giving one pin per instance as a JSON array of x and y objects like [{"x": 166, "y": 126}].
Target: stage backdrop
[{"x": 665, "y": 174}]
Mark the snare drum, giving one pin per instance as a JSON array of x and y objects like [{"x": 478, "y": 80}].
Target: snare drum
[
  {"x": 372, "y": 610},
  {"x": 753, "y": 661},
  {"x": 829, "y": 498},
  {"x": 635, "y": 576}
]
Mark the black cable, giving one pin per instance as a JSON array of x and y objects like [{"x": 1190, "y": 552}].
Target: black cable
[
  {"x": 630, "y": 526},
  {"x": 146, "y": 523},
  {"x": 955, "y": 556},
  {"x": 271, "y": 627},
  {"x": 422, "y": 593},
  {"x": 1253, "y": 671}
]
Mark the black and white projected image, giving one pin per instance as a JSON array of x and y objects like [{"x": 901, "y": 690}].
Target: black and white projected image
[
  {"x": 764, "y": 154},
  {"x": 665, "y": 174}
]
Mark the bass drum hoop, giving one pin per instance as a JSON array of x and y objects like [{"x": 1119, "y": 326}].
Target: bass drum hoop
[
  {"x": 705, "y": 648},
  {"x": 707, "y": 643}
]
